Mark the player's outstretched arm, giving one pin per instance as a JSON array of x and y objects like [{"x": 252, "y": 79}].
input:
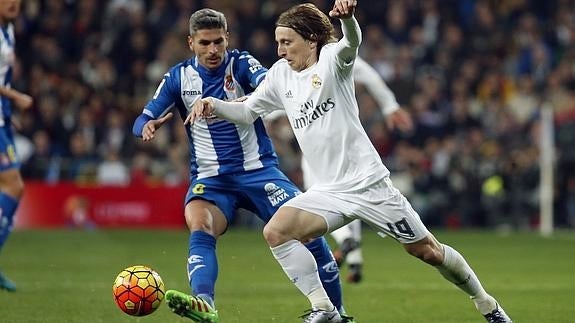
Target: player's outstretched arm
[
  {"x": 236, "y": 112},
  {"x": 395, "y": 116},
  {"x": 367, "y": 76}
]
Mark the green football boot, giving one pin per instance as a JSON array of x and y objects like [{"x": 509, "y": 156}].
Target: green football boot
[
  {"x": 192, "y": 307},
  {"x": 346, "y": 318}
]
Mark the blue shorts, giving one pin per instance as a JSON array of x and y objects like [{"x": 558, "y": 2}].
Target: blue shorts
[
  {"x": 261, "y": 191},
  {"x": 8, "y": 157}
]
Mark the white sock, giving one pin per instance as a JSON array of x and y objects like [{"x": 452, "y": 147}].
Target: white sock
[
  {"x": 485, "y": 306},
  {"x": 456, "y": 270},
  {"x": 354, "y": 257},
  {"x": 300, "y": 266},
  {"x": 355, "y": 227},
  {"x": 341, "y": 234}
]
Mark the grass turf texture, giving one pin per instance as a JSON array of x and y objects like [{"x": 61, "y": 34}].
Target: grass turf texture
[{"x": 67, "y": 276}]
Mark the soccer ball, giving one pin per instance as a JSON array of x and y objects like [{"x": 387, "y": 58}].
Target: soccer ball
[{"x": 138, "y": 290}]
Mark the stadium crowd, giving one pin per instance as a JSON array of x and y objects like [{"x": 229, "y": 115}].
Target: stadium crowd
[{"x": 474, "y": 74}]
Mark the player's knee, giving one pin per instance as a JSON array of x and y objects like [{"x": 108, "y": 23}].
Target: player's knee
[
  {"x": 270, "y": 235},
  {"x": 199, "y": 222},
  {"x": 273, "y": 235},
  {"x": 203, "y": 216}
]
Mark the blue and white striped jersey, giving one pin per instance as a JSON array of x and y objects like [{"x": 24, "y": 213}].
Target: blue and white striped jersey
[
  {"x": 217, "y": 146},
  {"x": 7, "y": 59}
]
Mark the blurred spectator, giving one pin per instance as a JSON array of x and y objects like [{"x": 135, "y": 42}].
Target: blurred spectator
[
  {"x": 81, "y": 164},
  {"x": 112, "y": 171},
  {"x": 43, "y": 164}
]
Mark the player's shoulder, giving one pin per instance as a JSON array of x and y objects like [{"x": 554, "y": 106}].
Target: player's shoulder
[
  {"x": 176, "y": 68},
  {"x": 281, "y": 66},
  {"x": 240, "y": 54},
  {"x": 246, "y": 64},
  {"x": 244, "y": 57},
  {"x": 185, "y": 63},
  {"x": 328, "y": 49}
]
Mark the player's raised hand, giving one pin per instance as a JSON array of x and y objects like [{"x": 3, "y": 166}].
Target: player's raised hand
[
  {"x": 343, "y": 9},
  {"x": 151, "y": 126},
  {"x": 202, "y": 108}
]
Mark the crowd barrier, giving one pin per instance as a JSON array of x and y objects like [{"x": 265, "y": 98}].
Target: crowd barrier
[{"x": 72, "y": 205}]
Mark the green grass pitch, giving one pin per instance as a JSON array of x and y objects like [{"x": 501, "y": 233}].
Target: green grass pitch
[{"x": 67, "y": 276}]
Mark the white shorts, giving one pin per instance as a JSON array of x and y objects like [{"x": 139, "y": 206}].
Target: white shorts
[{"x": 381, "y": 205}]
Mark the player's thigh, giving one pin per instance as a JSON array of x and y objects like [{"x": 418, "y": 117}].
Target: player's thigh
[
  {"x": 202, "y": 215},
  {"x": 334, "y": 211},
  {"x": 210, "y": 205},
  {"x": 293, "y": 223},
  {"x": 264, "y": 191}
]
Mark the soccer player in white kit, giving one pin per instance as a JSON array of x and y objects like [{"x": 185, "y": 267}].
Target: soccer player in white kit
[
  {"x": 348, "y": 237},
  {"x": 313, "y": 82}
]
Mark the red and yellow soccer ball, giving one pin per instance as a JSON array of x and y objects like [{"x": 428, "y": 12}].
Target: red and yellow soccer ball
[{"x": 138, "y": 290}]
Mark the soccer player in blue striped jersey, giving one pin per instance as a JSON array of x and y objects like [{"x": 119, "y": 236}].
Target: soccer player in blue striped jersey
[
  {"x": 232, "y": 166},
  {"x": 11, "y": 183}
]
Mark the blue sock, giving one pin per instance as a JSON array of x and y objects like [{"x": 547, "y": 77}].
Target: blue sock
[
  {"x": 8, "y": 207},
  {"x": 328, "y": 270},
  {"x": 202, "y": 265}
]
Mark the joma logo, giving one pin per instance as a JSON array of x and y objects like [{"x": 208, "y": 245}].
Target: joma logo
[{"x": 191, "y": 92}]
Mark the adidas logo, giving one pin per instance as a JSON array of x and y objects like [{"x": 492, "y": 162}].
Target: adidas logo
[{"x": 289, "y": 95}]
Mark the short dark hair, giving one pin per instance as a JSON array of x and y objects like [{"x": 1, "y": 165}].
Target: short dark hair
[
  {"x": 207, "y": 19},
  {"x": 309, "y": 22}
]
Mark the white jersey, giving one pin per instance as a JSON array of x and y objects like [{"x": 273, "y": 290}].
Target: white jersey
[
  {"x": 321, "y": 107},
  {"x": 363, "y": 74}
]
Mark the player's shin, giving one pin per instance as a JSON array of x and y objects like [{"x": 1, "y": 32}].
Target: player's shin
[
  {"x": 328, "y": 270},
  {"x": 8, "y": 207},
  {"x": 202, "y": 265},
  {"x": 457, "y": 270},
  {"x": 300, "y": 267}
]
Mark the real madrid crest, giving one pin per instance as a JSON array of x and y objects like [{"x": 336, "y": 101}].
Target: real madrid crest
[{"x": 315, "y": 81}]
